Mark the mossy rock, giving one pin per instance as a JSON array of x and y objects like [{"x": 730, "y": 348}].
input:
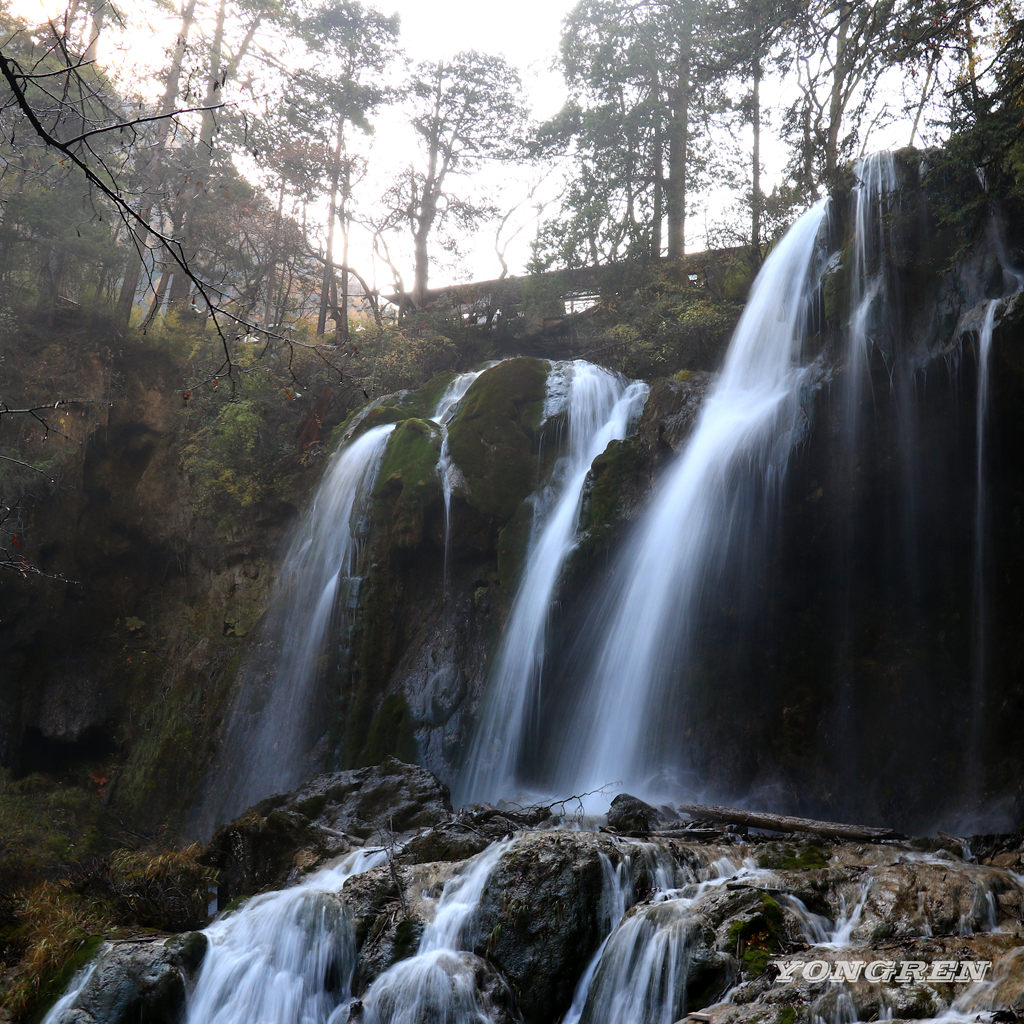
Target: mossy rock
[
  {"x": 392, "y": 732},
  {"x": 758, "y": 937},
  {"x": 785, "y": 857},
  {"x": 513, "y": 542},
  {"x": 407, "y": 484},
  {"x": 393, "y": 408},
  {"x": 613, "y": 475},
  {"x": 492, "y": 437}
]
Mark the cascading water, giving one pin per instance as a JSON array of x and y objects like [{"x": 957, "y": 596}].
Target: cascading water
[
  {"x": 446, "y": 408},
  {"x": 268, "y": 736},
  {"x": 439, "y": 983},
  {"x": 600, "y": 407},
  {"x": 285, "y": 956},
  {"x": 639, "y": 973},
  {"x": 870, "y": 324},
  {"x": 750, "y": 420},
  {"x": 979, "y": 600}
]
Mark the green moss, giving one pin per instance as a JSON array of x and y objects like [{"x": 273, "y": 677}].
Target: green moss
[
  {"x": 407, "y": 939},
  {"x": 836, "y": 290},
  {"x": 737, "y": 279},
  {"x": 805, "y": 857},
  {"x": 492, "y": 436},
  {"x": 407, "y": 484},
  {"x": 52, "y": 987},
  {"x": 45, "y": 824},
  {"x": 610, "y": 473},
  {"x": 157, "y": 780},
  {"x": 759, "y": 937},
  {"x": 392, "y": 732},
  {"x": 512, "y": 544}
]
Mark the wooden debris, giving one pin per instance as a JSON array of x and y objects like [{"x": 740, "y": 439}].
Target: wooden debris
[{"x": 785, "y": 823}]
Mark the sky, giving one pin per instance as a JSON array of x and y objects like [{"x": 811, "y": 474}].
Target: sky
[{"x": 526, "y": 33}]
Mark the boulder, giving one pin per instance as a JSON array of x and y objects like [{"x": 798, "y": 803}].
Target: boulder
[
  {"x": 630, "y": 814},
  {"x": 282, "y": 836},
  {"x": 135, "y": 981},
  {"x": 540, "y": 918}
]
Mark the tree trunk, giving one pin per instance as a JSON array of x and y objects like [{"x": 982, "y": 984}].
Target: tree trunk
[
  {"x": 130, "y": 285},
  {"x": 678, "y": 145},
  {"x": 785, "y": 823},
  {"x": 836, "y": 104},
  {"x": 756, "y": 198},
  {"x": 328, "y": 281},
  {"x": 341, "y": 325}
]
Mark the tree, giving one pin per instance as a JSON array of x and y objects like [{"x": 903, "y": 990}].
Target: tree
[
  {"x": 846, "y": 51},
  {"x": 466, "y": 111},
  {"x": 358, "y": 42},
  {"x": 645, "y": 78},
  {"x": 756, "y": 30}
]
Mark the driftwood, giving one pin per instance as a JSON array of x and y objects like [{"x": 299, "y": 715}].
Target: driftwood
[{"x": 784, "y": 823}]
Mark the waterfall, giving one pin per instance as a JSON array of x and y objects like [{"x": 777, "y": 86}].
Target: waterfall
[
  {"x": 869, "y": 324},
  {"x": 439, "y": 983},
  {"x": 443, "y": 413},
  {"x": 639, "y": 972},
  {"x": 749, "y": 423},
  {"x": 284, "y": 956},
  {"x": 269, "y": 732},
  {"x": 979, "y": 595},
  {"x": 599, "y": 407}
]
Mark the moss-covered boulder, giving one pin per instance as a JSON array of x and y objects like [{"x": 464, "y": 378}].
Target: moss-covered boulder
[
  {"x": 492, "y": 438},
  {"x": 407, "y": 484},
  {"x": 137, "y": 981}
]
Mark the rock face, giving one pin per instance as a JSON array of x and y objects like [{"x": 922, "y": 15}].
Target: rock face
[
  {"x": 137, "y": 981},
  {"x": 288, "y": 834},
  {"x": 624, "y": 930}
]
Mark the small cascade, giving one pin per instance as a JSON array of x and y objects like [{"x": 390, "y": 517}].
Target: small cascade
[
  {"x": 599, "y": 406},
  {"x": 816, "y": 929},
  {"x": 284, "y": 956},
  {"x": 442, "y": 415},
  {"x": 848, "y": 919},
  {"x": 269, "y": 734},
  {"x": 624, "y": 722},
  {"x": 979, "y": 589},
  {"x": 639, "y": 972},
  {"x": 78, "y": 984},
  {"x": 439, "y": 983}
]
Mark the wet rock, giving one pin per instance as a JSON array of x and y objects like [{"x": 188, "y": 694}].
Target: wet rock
[
  {"x": 920, "y": 895},
  {"x": 539, "y": 919},
  {"x": 138, "y": 981},
  {"x": 671, "y": 411},
  {"x": 326, "y": 817},
  {"x": 630, "y": 814},
  {"x": 448, "y": 841}
]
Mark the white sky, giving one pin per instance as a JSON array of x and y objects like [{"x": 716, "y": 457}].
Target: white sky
[{"x": 526, "y": 33}]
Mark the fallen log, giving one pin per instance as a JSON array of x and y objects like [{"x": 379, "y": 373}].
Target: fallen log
[{"x": 785, "y": 823}]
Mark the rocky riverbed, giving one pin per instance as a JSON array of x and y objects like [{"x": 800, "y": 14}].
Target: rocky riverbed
[{"x": 405, "y": 910}]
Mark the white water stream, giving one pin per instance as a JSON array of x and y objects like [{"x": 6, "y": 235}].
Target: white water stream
[
  {"x": 600, "y": 406},
  {"x": 749, "y": 420}
]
